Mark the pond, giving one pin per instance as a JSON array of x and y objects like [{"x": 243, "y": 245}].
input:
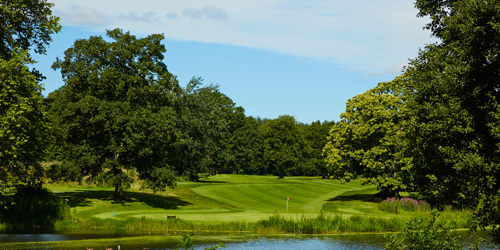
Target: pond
[{"x": 102, "y": 239}]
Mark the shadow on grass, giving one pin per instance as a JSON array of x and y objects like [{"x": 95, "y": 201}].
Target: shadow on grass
[
  {"x": 367, "y": 195},
  {"x": 82, "y": 198}
]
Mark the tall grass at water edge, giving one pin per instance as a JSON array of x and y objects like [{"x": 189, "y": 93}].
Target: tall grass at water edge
[
  {"x": 336, "y": 223},
  {"x": 324, "y": 223}
]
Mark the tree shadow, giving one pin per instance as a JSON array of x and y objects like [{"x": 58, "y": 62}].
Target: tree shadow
[
  {"x": 82, "y": 198},
  {"x": 355, "y": 196}
]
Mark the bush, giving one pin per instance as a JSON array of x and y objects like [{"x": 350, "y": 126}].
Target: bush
[
  {"x": 404, "y": 204},
  {"x": 422, "y": 233},
  {"x": 34, "y": 206}
]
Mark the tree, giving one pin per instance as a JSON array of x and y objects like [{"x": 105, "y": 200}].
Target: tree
[
  {"x": 367, "y": 141},
  {"x": 26, "y": 23},
  {"x": 205, "y": 123},
  {"x": 245, "y": 147},
  {"x": 117, "y": 110},
  {"x": 22, "y": 126},
  {"x": 453, "y": 127},
  {"x": 22, "y": 123},
  {"x": 316, "y": 134},
  {"x": 285, "y": 144}
]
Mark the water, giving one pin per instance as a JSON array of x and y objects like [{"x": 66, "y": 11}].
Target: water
[{"x": 101, "y": 239}]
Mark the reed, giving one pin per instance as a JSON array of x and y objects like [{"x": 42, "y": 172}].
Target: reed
[{"x": 323, "y": 223}]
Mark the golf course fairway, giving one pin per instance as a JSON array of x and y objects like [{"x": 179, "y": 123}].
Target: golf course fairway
[{"x": 224, "y": 198}]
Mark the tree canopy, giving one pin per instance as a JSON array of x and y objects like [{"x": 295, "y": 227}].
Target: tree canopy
[
  {"x": 117, "y": 110},
  {"x": 22, "y": 123},
  {"x": 26, "y": 24},
  {"x": 366, "y": 142},
  {"x": 285, "y": 144}
]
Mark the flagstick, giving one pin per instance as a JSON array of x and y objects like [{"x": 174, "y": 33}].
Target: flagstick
[{"x": 286, "y": 205}]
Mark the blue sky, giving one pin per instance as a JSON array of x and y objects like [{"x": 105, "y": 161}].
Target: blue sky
[{"x": 272, "y": 57}]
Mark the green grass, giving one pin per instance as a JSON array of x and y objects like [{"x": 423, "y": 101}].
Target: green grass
[
  {"x": 240, "y": 203},
  {"x": 222, "y": 198}
]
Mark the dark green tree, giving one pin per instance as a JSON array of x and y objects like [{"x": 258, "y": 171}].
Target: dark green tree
[
  {"x": 117, "y": 111},
  {"x": 206, "y": 123},
  {"x": 316, "y": 134},
  {"x": 22, "y": 126},
  {"x": 285, "y": 144},
  {"x": 245, "y": 147},
  {"x": 26, "y": 24},
  {"x": 453, "y": 127}
]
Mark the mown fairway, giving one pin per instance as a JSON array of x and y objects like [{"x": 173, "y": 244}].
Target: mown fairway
[{"x": 224, "y": 198}]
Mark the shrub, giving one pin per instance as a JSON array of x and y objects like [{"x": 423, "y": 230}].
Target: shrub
[
  {"x": 426, "y": 233},
  {"x": 34, "y": 206},
  {"x": 404, "y": 204}
]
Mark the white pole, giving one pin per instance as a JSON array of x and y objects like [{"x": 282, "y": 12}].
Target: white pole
[{"x": 286, "y": 205}]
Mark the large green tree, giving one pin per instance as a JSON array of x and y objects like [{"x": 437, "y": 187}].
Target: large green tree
[
  {"x": 316, "y": 134},
  {"x": 367, "y": 141},
  {"x": 22, "y": 124},
  {"x": 206, "y": 121},
  {"x": 453, "y": 126},
  {"x": 26, "y": 24},
  {"x": 285, "y": 144},
  {"x": 117, "y": 110}
]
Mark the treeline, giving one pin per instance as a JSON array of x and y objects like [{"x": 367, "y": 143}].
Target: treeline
[{"x": 121, "y": 111}]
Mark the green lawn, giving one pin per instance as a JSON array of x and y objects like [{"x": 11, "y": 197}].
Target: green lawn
[{"x": 224, "y": 198}]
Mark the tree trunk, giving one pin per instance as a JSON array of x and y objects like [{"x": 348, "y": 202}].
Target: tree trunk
[{"x": 118, "y": 192}]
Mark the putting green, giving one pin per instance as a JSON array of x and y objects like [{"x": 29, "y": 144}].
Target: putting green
[{"x": 221, "y": 198}]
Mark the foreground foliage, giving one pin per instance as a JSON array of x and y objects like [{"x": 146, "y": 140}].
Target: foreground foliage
[{"x": 426, "y": 233}]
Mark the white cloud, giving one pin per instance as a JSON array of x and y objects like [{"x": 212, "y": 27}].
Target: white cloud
[
  {"x": 84, "y": 16},
  {"x": 147, "y": 17},
  {"x": 361, "y": 35},
  {"x": 208, "y": 11}
]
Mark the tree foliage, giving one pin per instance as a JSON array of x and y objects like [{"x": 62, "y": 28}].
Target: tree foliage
[
  {"x": 367, "y": 140},
  {"x": 26, "y": 24},
  {"x": 453, "y": 130},
  {"x": 316, "y": 135},
  {"x": 117, "y": 110},
  {"x": 206, "y": 124},
  {"x": 22, "y": 126},
  {"x": 285, "y": 144}
]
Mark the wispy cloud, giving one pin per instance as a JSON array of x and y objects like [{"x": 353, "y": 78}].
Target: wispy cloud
[
  {"x": 396, "y": 70},
  {"x": 171, "y": 15},
  {"x": 208, "y": 11},
  {"x": 147, "y": 17},
  {"x": 84, "y": 16},
  {"x": 361, "y": 35}
]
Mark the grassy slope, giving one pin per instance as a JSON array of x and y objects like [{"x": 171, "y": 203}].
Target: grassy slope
[{"x": 225, "y": 198}]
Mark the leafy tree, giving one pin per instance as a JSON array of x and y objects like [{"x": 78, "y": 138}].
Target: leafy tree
[
  {"x": 367, "y": 141},
  {"x": 26, "y": 23},
  {"x": 116, "y": 110},
  {"x": 453, "y": 127},
  {"x": 205, "y": 123},
  {"x": 285, "y": 144},
  {"x": 245, "y": 147},
  {"x": 22, "y": 126},
  {"x": 316, "y": 134}
]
